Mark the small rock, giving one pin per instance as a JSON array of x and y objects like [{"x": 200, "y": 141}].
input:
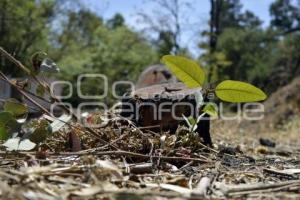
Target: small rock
[
  {"x": 229, "y": 150},
  {"x": 267, "y": 142}
]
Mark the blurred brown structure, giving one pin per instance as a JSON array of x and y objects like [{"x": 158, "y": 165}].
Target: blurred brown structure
[
  {"x": 158, "y": 89},
  {"x": 155, "y": 74}
]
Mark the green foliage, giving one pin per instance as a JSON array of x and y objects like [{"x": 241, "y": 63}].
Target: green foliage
[
  {"x": 115, "y": 22},
  {"x": 217, "y": 63},
  {"x": 76, "y": 38},
  {"x": 233, "y": 16},
  {"x": 14, "y": 107},
  {"x": 13, "y": 113},
  {"x": 24, "y": 29},
  {"x": 192, "y": 122},
  {"x": 285, "y": 15},
  {"x": 8, "y": 125},
  {"x": 237, "y": 92},
  {"x": 10, "y": 122},
  {"x": 5, "y": 118},
  {"x": 186, "y": 70},
  {"x": 250, "y": 60},
  {"x": 4, "y": 135},
  {"x": 114, "y": 50},
  {"x": 165, "y": 42},
  {"x": 35, "y": 132},
  {"x": 211, "y": 109},
  {"x": 284, "y": 64},
  {"x": 267, "y": 57},
  {"x": 40, "y": 131},
  {"x": 121, "y": 50},
  {"x": 227, "y": 15}
]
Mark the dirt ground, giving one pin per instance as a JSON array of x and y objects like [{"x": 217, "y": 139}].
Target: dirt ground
[
  {"x": 248, "y": 161},
  {"x": 145, "y": 165}
]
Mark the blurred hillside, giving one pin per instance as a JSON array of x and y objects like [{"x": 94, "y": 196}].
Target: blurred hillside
[{"x": 234, "y": 46}]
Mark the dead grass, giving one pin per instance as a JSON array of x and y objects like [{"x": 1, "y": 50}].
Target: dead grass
[{"x": 146, "y": 165}]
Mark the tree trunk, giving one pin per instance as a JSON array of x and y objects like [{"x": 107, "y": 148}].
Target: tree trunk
[{"x": 158, "y": 108}]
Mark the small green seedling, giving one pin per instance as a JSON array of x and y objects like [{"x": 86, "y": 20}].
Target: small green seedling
[
  {"x": 193, "y": 76},
  {"x": 192, "y": 122}
]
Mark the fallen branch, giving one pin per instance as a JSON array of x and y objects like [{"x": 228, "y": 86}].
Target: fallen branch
[
  {"x": 114, "y": 153},
  {"x": 247, "y": 189},
  {"x": 5, "y": 78}
]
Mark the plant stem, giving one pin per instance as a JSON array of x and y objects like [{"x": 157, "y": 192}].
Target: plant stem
[
  {"x": 31, "y": 93},
  {"x": 24, "y": 94}
]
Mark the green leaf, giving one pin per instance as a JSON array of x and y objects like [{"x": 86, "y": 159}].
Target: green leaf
[
  {"x": 4, "y": 135},
  {"x": 186, "y": 70},
  {"x": 188, "y": 121},
  {"x": 191, "y": 122},
  {"x": 6, "y": 120},
  {"x": 5, "y": 117},
  {"x": 211, "y": 109},
  {"x": 15, "y": 107},
  {"x": 238, "y": 92},
  {"x": 37, "y": 131},
  {"x": 10, "y": 124}
]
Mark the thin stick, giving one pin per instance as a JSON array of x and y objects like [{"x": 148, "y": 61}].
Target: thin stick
[
  {"x": 259, "y": 187},
  {"x": 15, "y": 61},
  {"x": 46, "y": 86},
  {"x": 210, "y": 149},
  {"x": 31, "y": 93},
  {"x": 24, "y": 94},
  {"x": 6, "y": 100},
  {"x": 103, "y": 147},
  {"x": 118, "y": 153}
]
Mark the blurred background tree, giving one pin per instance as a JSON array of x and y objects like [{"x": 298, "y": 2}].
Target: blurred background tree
[
  {"x": 234, "y": 45},
  {"x": 285, "y": 16},
  {"x": 167, "y": 22},
  {"x": 24, "y": 29},
  {"x": 226, "y": 17},
  {"x": 88, "y": 43}
]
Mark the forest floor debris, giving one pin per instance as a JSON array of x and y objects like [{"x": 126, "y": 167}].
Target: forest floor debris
[{"x": 134, "y": 165}]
